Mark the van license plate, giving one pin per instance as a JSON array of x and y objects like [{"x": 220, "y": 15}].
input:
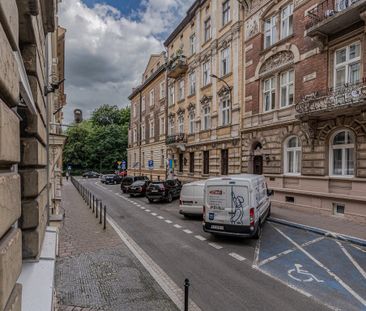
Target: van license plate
[{"x": 215, "y": 227}]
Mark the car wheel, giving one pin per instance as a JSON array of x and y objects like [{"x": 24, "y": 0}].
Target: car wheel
[
  {"x": 170, "y": 197},
  {"x": 131, "y": 195},
  {"x": 151, "y": 200},
  {"x": 258, "y": 232}
]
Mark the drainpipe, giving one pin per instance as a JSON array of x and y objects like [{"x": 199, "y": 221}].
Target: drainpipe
[
  {"x": 48, "y": 64},
  {"x": 139, "y": 130},
  {"x": 166, "y": 112}
]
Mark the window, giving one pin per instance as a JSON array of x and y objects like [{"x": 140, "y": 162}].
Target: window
[
  {"x": 162, "y": 90},
  {"x": 134, "y": 135},
  {"x": 152, "y": 129},
  {"x": 343, "y": 4},
  {"x": 181, "y": 124},
  {"x": 206, "y": 162},
  {"x": 225, "y": 111},
  {"x": 342, "y": 154},
  {"x": 162, "y": 126},
  {"x": 171, "y": 127},
  {"x": 191, "y": 162},
  {"x": 206, "y": 118},
  {"x": 292, "y": 156},
  {"x": 338, "y": 209},
  {"x": 206, "y": 73},
  {"x": 192, "y": 43},
  {"x": 287, "y": 21},
  {"x": 152, "y": 97},
  {"x": 171, "y": 95},
  {"x": 134, "y": 109},
  {"x": 143, "y": 103},
  {"x": 142, "y": 132},
  {"x": 181, "y": 162},
  {"x": 191, "y": 123},
  {"x": 225, "y": 12},
  {"x": 162, "y": 158},
  {"x": 143, "y": 159},
  {"x": 207, "y": 29},
  {"x": 270, "y": 31},
  {"x": 347, "y": 65},
  {"x": 225, "y": 61},
  {"x": 269, "y": 94},
  {"x": 181, "y": 89},
  {"x": 287, "y": 88},
  {"x": 192, "y": 83}
]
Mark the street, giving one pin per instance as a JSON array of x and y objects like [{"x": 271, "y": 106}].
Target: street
[{"x": 287, "y": 269}]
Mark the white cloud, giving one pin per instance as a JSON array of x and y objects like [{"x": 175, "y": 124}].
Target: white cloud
[{"x": 106, "y": 52}]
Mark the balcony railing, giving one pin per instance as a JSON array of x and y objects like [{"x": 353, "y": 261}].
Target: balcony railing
[
  {"x": 330, "y": 100},
  {"x": 177, "y": 66},
  {"x": 176, "y": 139},
  {"x": 332, "y": 16}
]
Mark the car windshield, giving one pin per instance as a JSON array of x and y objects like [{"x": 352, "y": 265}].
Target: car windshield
[{"x": 138, "y": 183}]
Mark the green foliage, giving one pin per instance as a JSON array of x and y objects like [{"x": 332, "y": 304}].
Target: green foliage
[{"x": 98, "y": 143}]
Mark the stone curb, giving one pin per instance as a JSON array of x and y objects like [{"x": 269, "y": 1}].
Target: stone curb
[{"x": 320, "y": 231}]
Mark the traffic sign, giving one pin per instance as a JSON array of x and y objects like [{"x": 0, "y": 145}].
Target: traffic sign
[
  {"x": 123, "y": 165},
  {"x": 150, "y": 164},
  {"x": 119, "y": 162}
]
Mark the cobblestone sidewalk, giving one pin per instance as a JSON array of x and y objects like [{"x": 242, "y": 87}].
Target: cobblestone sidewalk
[{"x": 95, "y": 270}]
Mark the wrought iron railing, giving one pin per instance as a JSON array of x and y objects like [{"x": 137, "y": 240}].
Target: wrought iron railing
[
  {"x": 326, "y": 9},
  {"x": 332, "y": 98},
  {"x": 176, "y": 139}
]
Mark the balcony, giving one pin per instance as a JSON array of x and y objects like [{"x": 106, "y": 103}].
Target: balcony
[
  {"x": 333, "y": 16},
  {"x": 177, "y": 66},
  {"x": 177, "y": 141},
  {"x": 332, "y": 102}
]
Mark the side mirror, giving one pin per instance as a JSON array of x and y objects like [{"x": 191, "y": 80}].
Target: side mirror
[{"x": 269, "y": 192}]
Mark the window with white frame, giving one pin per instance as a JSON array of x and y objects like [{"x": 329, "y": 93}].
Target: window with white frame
[
  {"x": 225, "y": 110},
  {"x": 206, "y": 118},
  {"x": 207, "y": 29},
  {"x": 143, "y": 132},
  {"x": 171, "y": 127},
  {"x": 162, "y": 125},
  {"x": 206, "y": 71},
  {"x": 347, "y": 68},
  {"x": 171, "y": 94},
  {"x": 287, "y": 88},
  {"x": 270, "y": 31},
  {"x": 143, "y": 103},
  {"x": 343, "y": 4},
  {"x": 134, "y": 135},
  {"x": 342, "y": 146},
  {"x": 292, "y": 156},
  {"x": 191, "y": 122},
  {"x": 225, "y": 61},
  {"x": 225, "y": 12},
  {"x": 152, "y": 134},
  {"x": 152, "y": 97},
  {"x": 181, "y": 89},
  {"x": 162, "y": 90},
  {"x": 287, "y": 20},
  {"x": 192, "y": 83},
  {"x": 181, "y": 124},
  {"x": 269, "y": 94},
  {"x": 192, "y": 43}
]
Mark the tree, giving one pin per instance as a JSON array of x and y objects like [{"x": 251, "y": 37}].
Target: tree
[{"x": 108, "y": 115}]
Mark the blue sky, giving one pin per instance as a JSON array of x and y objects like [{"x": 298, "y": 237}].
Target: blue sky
[{"x": 125, "y": 6}]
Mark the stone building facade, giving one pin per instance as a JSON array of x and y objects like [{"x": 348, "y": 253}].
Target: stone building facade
[
  {"x": 26, "y": 30},
  {"x": 148, "y": 122},
  {"x": 205, "y": 89},
  {"x": 303, "y": 125}
]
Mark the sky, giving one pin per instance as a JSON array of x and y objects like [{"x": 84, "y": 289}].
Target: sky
[{"x": 108, "y": 45}]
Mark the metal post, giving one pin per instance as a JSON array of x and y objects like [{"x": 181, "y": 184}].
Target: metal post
[
  {"x": 105, "y": 218},
  {"x": 96, "y": 210},
  {"x": 186, "y": 291},
  {"x": 93, "y": 203},
  {"x": 101, "y": 212}
]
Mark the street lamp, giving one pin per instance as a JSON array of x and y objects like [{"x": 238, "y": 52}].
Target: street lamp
[{"x": 226, "y": 84}]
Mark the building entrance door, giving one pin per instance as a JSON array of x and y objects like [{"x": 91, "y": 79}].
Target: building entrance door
[
  {"x": 224, "y": 162},
  {"x": 258, "y": 165}
]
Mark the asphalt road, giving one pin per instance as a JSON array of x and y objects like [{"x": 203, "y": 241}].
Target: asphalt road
[{"x": 274, "y": 273}]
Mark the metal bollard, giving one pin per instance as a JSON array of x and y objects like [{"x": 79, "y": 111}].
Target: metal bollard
[
  {"x": 100, "y": 214},
  {"x": 105, "y": 218},
  {"x": 186, "y": 292},
  {"x": 90, "y": 200},
  {"x": 93, "y": 203},
  {"x": 96, "y": 210}
]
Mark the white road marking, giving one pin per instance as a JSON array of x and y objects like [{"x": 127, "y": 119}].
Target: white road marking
[
  {"x": 199, "y": 237},
  {"x": 110, "y": 190},
  {"x": 214, "y": 245},
  {"x": 187, "y": 231},
  {"x": 168, "y": 221},
  {"x": 142, "y": 207},
  {"x": 177, "y": 226},
  {"x": 154, "y": 214},
  {"x": 175, "y": 293},
  {"x": 116, "y": 193},
  {"x": 237, "y": 256},
  {"x": 337, "y": 278},
  {"x": 160, "y": 217},
  {"x": 147, "y": 210},
  {"x": 354, "y": 262},
  {"x": 359, "y": 248}
]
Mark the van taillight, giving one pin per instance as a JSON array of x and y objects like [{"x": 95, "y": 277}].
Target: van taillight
[
  {"x": 180, "y": 202},
  {"x": 251, "y": 216}
]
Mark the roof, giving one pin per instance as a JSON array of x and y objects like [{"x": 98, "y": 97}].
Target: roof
[{"x": 239, "y": 177}]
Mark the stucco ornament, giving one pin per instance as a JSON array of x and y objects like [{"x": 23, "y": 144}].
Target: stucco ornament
[
  {"x": 277, "y": 61},
  {"x": 205, "y": 100}
]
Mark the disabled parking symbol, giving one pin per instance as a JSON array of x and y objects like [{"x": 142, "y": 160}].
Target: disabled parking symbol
[{"x": 301, "y": 275}]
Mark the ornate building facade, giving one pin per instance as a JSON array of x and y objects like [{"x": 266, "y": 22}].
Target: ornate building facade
[
  {"x": 205, "y": 89},
  {"x": 147, "y": 150},
  {"x": 304, "y": 121}
]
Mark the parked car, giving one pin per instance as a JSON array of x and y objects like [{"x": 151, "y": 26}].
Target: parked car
[
  {"x": 191, "y": 199},
  {"x": 91, "y": 174},
  {"x": 129, "y": 180},
  {"x": 163, "y": 190},
  {"x": 236, "y": 205},
  {"x": 112, "y": 179},
  {"x": 138, "y": 188},
  {"x": 102, "y": 178}
]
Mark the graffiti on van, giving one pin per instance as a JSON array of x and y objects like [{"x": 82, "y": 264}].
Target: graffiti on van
[{"x": 237, "y": 207}]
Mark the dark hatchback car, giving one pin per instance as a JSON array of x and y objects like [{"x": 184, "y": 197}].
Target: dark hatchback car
[
  {"x": 163, "y": 190},
  {"x": 129, "y": 180},
  {"x": 138, "y": 188},
  {"x": 112, "y": 179},
  {"x": 91, "y": 174}
]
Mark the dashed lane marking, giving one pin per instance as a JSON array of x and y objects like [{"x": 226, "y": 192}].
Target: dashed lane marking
[
  {"x": 237, "y": 256},
  {"x": 154, "y": 214},
  {"x": 168, "y": 221},
  {"x": 160, "y": 217},
  {"x": 142, "y": 207},
  {"x": 177, "y": 226},
  {"x": 147, "y": 210},
  {"x": 187, "y": 231},
  {"x": 199, "y": 237},
  {"x": 214, "y": 245}
]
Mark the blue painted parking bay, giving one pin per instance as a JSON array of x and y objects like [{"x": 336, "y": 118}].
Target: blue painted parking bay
[{"x": 326, "y": 269}]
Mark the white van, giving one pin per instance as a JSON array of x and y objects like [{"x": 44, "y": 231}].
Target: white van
[
  {"x": 236, "y": 205},
  {"x": 191, "y": 198}
]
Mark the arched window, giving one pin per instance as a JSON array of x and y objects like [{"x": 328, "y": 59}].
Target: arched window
[
  {"x": 292, "y": 156},
  {"x": 342, "y": 147}
]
